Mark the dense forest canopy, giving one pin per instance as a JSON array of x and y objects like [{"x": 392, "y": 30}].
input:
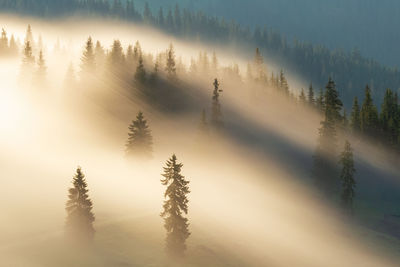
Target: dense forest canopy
[
  {"x": 314, "y": 63},
  {"x": 370, "y": 25}
]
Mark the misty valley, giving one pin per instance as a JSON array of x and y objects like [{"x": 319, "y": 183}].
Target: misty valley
[{"x": 169, "y": 137}]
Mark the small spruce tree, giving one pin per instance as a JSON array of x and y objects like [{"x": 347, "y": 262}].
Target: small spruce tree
[
  {"x": 369, "y": 115},
  {"x": 216, "y": 110},
  {"x": 140, "y": 75},
  {"x": 80, "y": 218},
  {"x": 3, "y": 43},
  {"x": 302, "y": 98},
  {"x": 88, "y": 62},
  {"x": 355, "y": 116},
  {"x": 140, "y": 141},
  {"x": 283, "y": 83},
  {"x": 310, "y": 97},
  {"x": 174, "y": 208},
  {"x": 170, "y": 67},
  {"x": 41, "y": 71}
]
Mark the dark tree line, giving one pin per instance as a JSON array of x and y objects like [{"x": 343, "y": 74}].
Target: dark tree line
[
  {"x": 350, "y": 70},
  {"x": 158, "y": 77},
  {"x": 383, "y": 124},
  {"x": 326, "y": 168},
  {"x": 8, "y": 46}
]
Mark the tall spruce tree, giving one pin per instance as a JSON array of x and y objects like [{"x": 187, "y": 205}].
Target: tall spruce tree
[
  {"x": 170, "y": 67},
  {"x": 325, "y": 170},
  {"x": 28, "y": 64},
  {"x": 283, "y": 84},
  {"x": 116, "y": 58},
  {"x": 80, "y": 218},
  {"x": 140, "y": 74},
  {"x": 28, "y": 58},
  {"x": 88, "y": 61},
  {"x": 259, "y": 66},
  {"x": 302, "y": 98},
  {"x": 29, "y": 36},
  {"x": 216, "y": 110},
  {"x": 333, "y": 104},
  {"x": 310, "y": 96},
  {"x": 347, "y": 178},
  {"x": 389, "y": 117},
  {"x": 3, "y": 43},
  {"x": 140, "y": 141},
  {"x": 355, "y": 116},
  {"x": 41, "y": 71},
  {"x": 369, "y": 115},
  {"x": 175, "y": 208}
]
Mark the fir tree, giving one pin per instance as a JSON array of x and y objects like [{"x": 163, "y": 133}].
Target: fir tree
[
  {"x": 310, "y": 96},
  {"x": 88, "y": 62},
  {"x": 161, "y": 18},
  {"x": 259, "y": 66},
  {"x": 302, "y": 98},
  {"x": 130, "y": 59},
  {"x": 29, "y": 36},
  {"x": 174, "y": 208},
  {"x": 99, "y": 56},
  {"x": 283, "y": 84},
  {"x": 333, "y": 104},
  {"x": 137, "y": 51},
  {"x": 28, "y": 58},
  {"x": 389, "y": 117},
  {"x": 347, "y": 178},
  {"x": 3, "y": 43},
  {"x": 369, "y": 115},
  {"x": 325, "y": 169},
  {"x": 80, "y": 218},
  {"x": 355, "y": 116},
  {"x": 140, "y": 141},
  {"x": 140, "y": 75},
  {"x": 170, "y": 67},
  {"x": 147, "y": 15},
  {"x": 41, "y": 68},
  {"x": 216, "y": 110},
  {"x": 116, "y": 57}
]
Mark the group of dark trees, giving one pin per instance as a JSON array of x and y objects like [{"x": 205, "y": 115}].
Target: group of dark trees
[
  {"x": 33, "y": 69},
  {"x": 326, "y": 173},
  {"x": 383, "y": 124},
  {"x": 80, "y": 217},
  {"x": 8, "y": 47},
  {"x": 316, "y": 63}
]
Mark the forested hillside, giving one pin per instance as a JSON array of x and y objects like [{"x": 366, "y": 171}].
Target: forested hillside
[
  {"x": 370, "y": 25},
  {"x": 314, "y": 63}
]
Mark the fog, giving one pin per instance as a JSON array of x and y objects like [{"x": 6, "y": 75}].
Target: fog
[{"x": 251, "y": 201}]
